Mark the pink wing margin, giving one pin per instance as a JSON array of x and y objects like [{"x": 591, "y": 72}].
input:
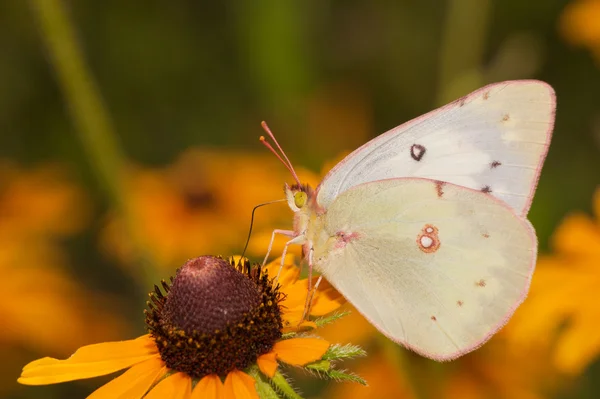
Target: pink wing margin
[{"x": 456, "y": 104}]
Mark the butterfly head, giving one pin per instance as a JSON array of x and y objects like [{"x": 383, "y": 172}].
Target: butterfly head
[{"x": 297, "y": 196}]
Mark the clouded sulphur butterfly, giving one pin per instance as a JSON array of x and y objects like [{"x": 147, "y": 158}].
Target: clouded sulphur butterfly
[{"x": 423, "y": 228}]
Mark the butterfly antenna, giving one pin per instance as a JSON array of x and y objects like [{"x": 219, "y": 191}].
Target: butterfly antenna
[
  {"x": 287, "y": 164},
  {"x": 252, "y": 223}
]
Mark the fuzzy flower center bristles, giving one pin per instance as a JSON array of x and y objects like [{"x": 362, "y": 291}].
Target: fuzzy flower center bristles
[{"x": 215, "y": 317}]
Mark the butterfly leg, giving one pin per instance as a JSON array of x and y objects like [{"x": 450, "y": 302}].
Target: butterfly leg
[
  {"x": 296, "y": 240},
  {"x": 311, "y": 291},
  {"x": 287, "y": 233}
]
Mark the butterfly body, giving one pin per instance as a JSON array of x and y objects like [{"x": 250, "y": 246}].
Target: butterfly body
[{"x": 423, "y": 228}]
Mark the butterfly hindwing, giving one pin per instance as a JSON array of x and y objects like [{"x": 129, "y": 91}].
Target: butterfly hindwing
[{"x": 434, "y": 266}]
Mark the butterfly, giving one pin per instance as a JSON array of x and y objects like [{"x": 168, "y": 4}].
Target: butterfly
[{"x": 423, "y": 229}]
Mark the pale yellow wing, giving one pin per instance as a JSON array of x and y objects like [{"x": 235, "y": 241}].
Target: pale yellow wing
[
  {"x": 436, "y": 267},
  {"x": 494, "y": 139}
]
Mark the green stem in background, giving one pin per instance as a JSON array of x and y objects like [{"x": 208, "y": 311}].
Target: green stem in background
[
  {"x": 464, "y": 38},
  {"x": 89, "y": 115}
]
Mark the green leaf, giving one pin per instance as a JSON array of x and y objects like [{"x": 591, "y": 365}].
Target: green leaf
[
  {"x": 348, "y": 351},
  {"x": 343, "y": 375},
  {"x": 325, "y": 370},
  {"x": 322, "y": 365},
  {"x": 322, "y": 321}
]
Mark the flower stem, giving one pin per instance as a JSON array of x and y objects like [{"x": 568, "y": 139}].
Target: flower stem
[
  {"x": 263, "y": 388},
  {"x": 92, "y": 123},
  {"x": 463, "y": 44},
  {"x": 284, "y": 387}
]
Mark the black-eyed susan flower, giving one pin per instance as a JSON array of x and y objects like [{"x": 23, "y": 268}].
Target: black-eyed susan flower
[{"x": 219, "y": 329}]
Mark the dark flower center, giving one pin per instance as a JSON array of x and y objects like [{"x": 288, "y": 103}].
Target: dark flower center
[
  {"x": 215, "y": 317},
  {"x": 199, "y": 199}
]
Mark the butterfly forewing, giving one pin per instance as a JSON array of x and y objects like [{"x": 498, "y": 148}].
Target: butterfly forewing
[
  {"x": 493, "y": 140},
  {"x": 434, "y": 266}
]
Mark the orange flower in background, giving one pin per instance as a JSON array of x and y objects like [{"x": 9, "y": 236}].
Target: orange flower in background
[
  {"x": 173, "y": 206},
  {"x": 386, "y": 381},
  {"x": 499, "y": 369},
  {"x": 40, "y": 202},
  {"x": 216, "y": 332},
  {"x": 502, "y": 368},
  {"x": 47, "y": 311},
  {"x": 563, "y": 306},
  {"x": 579, "y": 24}
]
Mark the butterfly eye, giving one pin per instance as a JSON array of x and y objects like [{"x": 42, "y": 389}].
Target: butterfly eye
[{"x": 300, "y": 199}]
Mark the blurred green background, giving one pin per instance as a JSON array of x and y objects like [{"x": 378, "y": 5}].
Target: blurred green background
[{"x": 326, "y": 75}]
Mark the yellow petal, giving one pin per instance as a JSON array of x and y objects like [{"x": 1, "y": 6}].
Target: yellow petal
[
  {"x": 295, "y": 296},
  {"x": 209, "y": 387},
  {"x": 239, "y": 385},
  {"x": 175, "y": 386},
  {"x": 89, "y": 361},
  {"x": 289, "y": 272},
  {"x": 326, "y": 299},
  {"x": 300, "y": 351},
  {"x": 134, "y": 383},
  {"x": 267, "y": 363},
  {"x": 579, "y": 345},
  {"x": 577, "y": 235}
]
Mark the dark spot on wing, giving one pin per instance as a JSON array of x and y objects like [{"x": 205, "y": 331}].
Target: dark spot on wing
[
  {"x": 505, "y": 118},
  {"x": 485, "y": 235},
  {"x": 486, "y": 189},
  {"x": 480, "y": 283},
  {"x": 459, "y": 303},
  {"x": 495, "y": 164},
  {"x": 433, "y": 318},
  {"x": 417, "y": 151},
  {"x": 486, "y": 95},
  {"x": 439, "y": 188}
]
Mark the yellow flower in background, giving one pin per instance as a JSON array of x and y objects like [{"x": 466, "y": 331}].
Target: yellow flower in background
[
  {"x": 499, "y": 369},
  {"x": 563, "y": 307},
  {"x": 579, "y": 24},
  {"x": 502, "y": 368},
  {"x": 216, "y": 332},
  {"x": 47, "y": 310},
  {"x": 195, "y": 205},
  {"x": 40, "y": 202}
]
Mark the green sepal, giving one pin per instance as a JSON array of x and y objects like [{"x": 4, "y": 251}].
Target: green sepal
[
  {"x": 322, "y": 321},
  {"x": 348, "y": 351}
]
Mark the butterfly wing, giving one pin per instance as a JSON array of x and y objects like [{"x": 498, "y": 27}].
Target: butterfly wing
[
  {"x": 436, "y": 267},
  {"x": 494, "y": 139}
]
